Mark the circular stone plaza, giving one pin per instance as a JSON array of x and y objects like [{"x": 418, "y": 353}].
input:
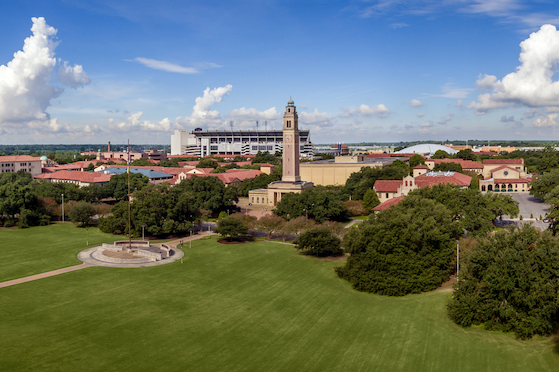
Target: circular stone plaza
[{"x": 130, "y": 254}]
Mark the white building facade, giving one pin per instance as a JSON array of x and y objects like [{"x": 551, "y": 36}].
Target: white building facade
[{"x": 199, "y": 143}]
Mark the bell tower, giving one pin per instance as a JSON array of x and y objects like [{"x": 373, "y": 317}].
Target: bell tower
[{"x": 290, "y": 143}]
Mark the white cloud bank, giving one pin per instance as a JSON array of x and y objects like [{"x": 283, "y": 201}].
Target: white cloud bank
[
  {"x": 532, "y": 84},
  {"x": 25, "y": 88}
]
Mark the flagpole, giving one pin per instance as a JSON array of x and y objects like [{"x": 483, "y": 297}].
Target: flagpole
[{"x": 129, "y": 218}]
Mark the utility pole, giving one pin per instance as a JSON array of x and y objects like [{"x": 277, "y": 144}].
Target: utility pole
[{"x": 63, "y": 208}]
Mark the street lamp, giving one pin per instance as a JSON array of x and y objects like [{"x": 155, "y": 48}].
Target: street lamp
[
  {"x": 143, "y": 226},
  {"x": 86, "y": 234},
  {"x": 306, "y": 213},
  {"x": 63, "y": 208}
]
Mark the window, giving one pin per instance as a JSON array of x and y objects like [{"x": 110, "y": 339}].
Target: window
[
  {"x": 288, "y": 110},
  {"x": 386, "y": 195},
  {"x": 257, "y": 199},
  {"x": 288, "y": 124},
  {"x": 252, "y": 199}
]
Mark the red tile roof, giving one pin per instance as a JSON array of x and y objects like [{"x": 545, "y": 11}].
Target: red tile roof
[
  {"x": 502, "y": 168},
  {"x": 434, "y": 178},
  {"x": 504, "y": 161},
  {"x": 387, "y": 186},
  {"x": 81, "y": 176},
  {"x": 389, "y": 203},
  {"x": 421, "y": 167},
  {"x": 380, "y": 155},
  {"x": 466, "y": 164},
  {"x": 18, "y": 158}
]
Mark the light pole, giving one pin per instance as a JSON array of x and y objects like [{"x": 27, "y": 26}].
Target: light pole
[
  {"x": 63, "y": 208},
  {"x": 143, "y": 226},
  {"x": 86, "y": 234},
  {"x": 457, "y": 262},
  {"x": 306, "y": 213}
]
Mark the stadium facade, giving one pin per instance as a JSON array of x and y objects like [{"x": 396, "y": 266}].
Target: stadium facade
[{"x": 200, "y": 143}]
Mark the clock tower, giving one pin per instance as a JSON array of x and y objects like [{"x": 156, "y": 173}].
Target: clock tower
[{"x": 290, "y": 144}]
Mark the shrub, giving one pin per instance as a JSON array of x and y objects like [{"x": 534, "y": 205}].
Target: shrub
[{"x": 319, "y": 241}]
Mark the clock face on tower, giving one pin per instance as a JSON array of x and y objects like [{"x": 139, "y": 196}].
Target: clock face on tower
[{"x": 288, "y": 138}]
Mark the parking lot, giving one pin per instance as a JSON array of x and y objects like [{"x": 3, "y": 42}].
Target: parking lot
[{"x": 528, "y": 206}]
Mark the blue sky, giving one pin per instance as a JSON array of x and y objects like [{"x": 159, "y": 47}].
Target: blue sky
[{"x": 98, "y": 71}]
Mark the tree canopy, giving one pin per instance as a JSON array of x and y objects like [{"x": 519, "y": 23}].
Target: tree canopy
[
  {"x": 231, "y": 227},
  {"x": 406, "y": 249},
  {"x": 360, "y": 182},
  {"x": 510, "y": 281},
  {"x": 320, "y": 204}
]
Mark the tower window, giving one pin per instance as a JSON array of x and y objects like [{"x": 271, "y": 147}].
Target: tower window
[
  {"x": 288, "y": 110},
  {"x": 288, "y": 124}
]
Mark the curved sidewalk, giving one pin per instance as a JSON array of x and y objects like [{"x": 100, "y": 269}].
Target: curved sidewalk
[{"x": 43, "y": 275}]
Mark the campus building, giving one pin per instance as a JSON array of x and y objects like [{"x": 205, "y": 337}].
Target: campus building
[
  {"x": 388, "y": 189},
  {"x": 199, "y": 143},
  {"x": 338, "y": 170},
  {"x": 26, "y": 163},
  {"x": 291, "y": 181}
]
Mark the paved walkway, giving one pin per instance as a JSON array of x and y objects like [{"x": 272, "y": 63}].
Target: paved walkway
[{"x": 43, "y": 275}]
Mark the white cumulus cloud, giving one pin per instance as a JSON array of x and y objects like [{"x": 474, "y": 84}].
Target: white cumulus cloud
[
  {"x": 380, "y": 111},
  {"x": 135, "y": 121},
  {"x": 532, "y": 83},
  {"x": 420, "y": 115},
  {"x": 445, "y": 120},
  {"x": 25, "y": 88},
  {"x": 429, "y": 123},
  {"x": 202, "y": 115},
  {"x": 549, "y": 121},
  {"x": 73, "y": 77},
  {"x": 247, "y": 117},
  {"x": 416, "y": 103},
  {"x": 315, "y": 118}
]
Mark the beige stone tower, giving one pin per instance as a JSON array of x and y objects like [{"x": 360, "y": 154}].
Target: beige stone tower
[{"x": 290, "y": 144}]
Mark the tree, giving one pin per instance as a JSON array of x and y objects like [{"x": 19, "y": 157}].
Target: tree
[
  {"x": 356, "y": 208},
  {"x": 510, "y": 282},
  {"x": 81, "y": 213},
  {"x": 337, "y": 229},
  {"x": 319, "y": 204},
  {"x": 298, "y": 226},
  {"x": 231, "y": 227},
  {"x": 474, "y": 184},
  {"x": 466, "y": 154},
  {"x": 401, "y": 164},
  {"x": 360, "y": 182},
  {"x": 117, "y": 187},
  {"x": 440, "y": 154},
  {"x": 448, "y": 166},
  {"x": 541, "y": 185},
  {"x": 406, "y": 249},
  {"x": 270, "y": 224},
  {"x": 370, "y": 200},
  {"x": 207, "y": 163},
  {"x": 319, "y": 241},
  {"x": 416, "y": 160},
  {"x": 209, "y": 193}
]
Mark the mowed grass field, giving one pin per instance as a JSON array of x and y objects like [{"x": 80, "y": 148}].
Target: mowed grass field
[
  {"x": 26, "y": 252},
  {"x": 253, "y": 307}
]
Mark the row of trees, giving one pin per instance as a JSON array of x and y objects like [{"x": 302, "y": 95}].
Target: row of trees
[{"x": 165, "y": 210}]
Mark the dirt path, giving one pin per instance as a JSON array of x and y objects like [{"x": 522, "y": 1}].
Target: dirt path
[{"x": 43, "y": 275}]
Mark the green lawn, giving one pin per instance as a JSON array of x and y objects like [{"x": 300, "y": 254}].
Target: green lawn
[
  {"x": 258, "y": 306},
  {"x": 26, "y": 252}
]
